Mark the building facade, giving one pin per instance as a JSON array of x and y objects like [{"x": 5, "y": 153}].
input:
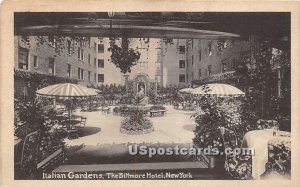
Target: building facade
[
  {"x": 86, "y": 62},
  {"x": 206, "y": 58},
  {"x": 74, "y": 62},
  {"x": 173, "y": 62},
  {"x": 168, "y": 62}
]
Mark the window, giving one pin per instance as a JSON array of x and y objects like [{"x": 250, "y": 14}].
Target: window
[
  {"x": 223, "y": 66},
  {"x": 209, "y": 48},
  {"x": 182, "y": 78},
  {"x": 80, "y": 74},
  {"x": 181, "y": 49},
  {"x": 95, "y": 62},
  {"x": 69, "y": 70},
  {"x": 90, "y": 44},
  {"x": 199, "y": 73},
  {"x": 199, "y": 55},
  {"x": 100, "y": 63},
  {"x": 89, "y": 76},
  {"x": 181, "y": 63},
  {"x": 100, "y": 48},
  {"x": 80, "y": 53},
  {"x": 23, "y": 58},
  {"x": 192, "y": 76},
  {"x": 69, "y": 46},
  {"x": 52, "y": 41},
  {"x": 35, "y": 61},
  {"x": 100, "y": 77},
  {"x": 209, "y": 70},
  {"x": 95, "y": 46},
  {"x": 89, "y": 59},
  {"x": 95, "y": 77},
  {"x": 192, "y": 60},
  {"x": 51, "y": 66}
]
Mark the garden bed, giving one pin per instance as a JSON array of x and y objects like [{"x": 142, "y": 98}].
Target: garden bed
[
  {"x": 136, "y": 132},
  {"x": 136, "y": 123}
]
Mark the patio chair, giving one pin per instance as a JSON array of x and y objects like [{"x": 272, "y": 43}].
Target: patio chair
[
  {"x": 82, "y": 123},
  {"x": 72, "y": 133},
  {"x": 70, "y": 130}
]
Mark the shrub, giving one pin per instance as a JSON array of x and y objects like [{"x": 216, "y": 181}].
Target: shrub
[
  {"x": 217, "y": 113},
  {"x": 136, "y": 122}
]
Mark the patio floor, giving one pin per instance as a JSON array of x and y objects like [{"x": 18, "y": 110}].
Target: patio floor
[{"x": 175, "y": 127}]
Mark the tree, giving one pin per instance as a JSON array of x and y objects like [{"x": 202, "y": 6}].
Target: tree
[
  {"x": 123, "y": 57},
  {"x": 261, "y": 74}
]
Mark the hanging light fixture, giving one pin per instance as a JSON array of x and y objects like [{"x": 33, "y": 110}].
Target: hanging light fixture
[{"x": 110, "y": 15}]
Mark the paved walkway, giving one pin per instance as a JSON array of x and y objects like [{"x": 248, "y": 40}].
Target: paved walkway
[{"x": 175, "y": 127}]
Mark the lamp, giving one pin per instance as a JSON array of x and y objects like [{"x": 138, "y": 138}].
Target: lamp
[{"x": 110, "y": 15}]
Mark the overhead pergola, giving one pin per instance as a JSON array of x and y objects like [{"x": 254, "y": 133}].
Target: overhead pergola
[{"x": 191, "y": 25}]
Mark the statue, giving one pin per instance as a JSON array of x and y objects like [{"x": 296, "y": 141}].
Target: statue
[{"x": 141, "y": 90}]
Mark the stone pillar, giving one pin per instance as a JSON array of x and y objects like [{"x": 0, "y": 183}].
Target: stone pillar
[{"x": 126, "y": 77}]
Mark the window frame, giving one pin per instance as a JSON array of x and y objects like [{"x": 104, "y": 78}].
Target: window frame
[
  {"x": 35, "y": 61},
  {"x": 180, "y": 61},
  {"x": 89, "y": 59},
  {"x": 51, "y": 60},
  {"x": 100, "y": 49},
  {"x": 102, "y": 80},
  {"x": 26, "y": 51},
  {"x": 209, "y": 70},
  {"x": 102, "y": 62},
  {"x": 180, "y": 49},
  {"x": 69, "y": 70},
  {"x": 182, "y": 77}
]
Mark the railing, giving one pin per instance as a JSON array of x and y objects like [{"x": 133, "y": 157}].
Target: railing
[{"x": 216, "y": 78}]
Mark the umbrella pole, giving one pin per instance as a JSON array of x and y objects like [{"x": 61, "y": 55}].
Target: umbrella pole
[{"x": 70, "y": 110}]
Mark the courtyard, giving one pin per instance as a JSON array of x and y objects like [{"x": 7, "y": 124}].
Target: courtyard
[
  {"x": 175, "y": 127},
  {"x": 101, "y": 141},
  {"x": 102, "y": 93}
]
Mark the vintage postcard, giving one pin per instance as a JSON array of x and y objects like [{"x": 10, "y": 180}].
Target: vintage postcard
[{"x": 149, "y": 93}]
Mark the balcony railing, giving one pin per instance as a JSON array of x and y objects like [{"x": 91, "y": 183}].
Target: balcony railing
[{"x": 221, "y": 77}]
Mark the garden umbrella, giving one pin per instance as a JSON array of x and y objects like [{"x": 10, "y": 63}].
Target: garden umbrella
[
  {"x": 186, "y": 90},
  {"x": 216, "y": 89},
  {"x": 66, "y": 91}
]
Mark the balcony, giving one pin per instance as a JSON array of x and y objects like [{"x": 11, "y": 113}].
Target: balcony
[{"x": 221, "y": 77}]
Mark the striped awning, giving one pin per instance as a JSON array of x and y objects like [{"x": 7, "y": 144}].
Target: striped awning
[
  {"x": 216, "y": 89},
  {"x": 186, "y": 90},
  {"x": 66, "y": 90}
]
